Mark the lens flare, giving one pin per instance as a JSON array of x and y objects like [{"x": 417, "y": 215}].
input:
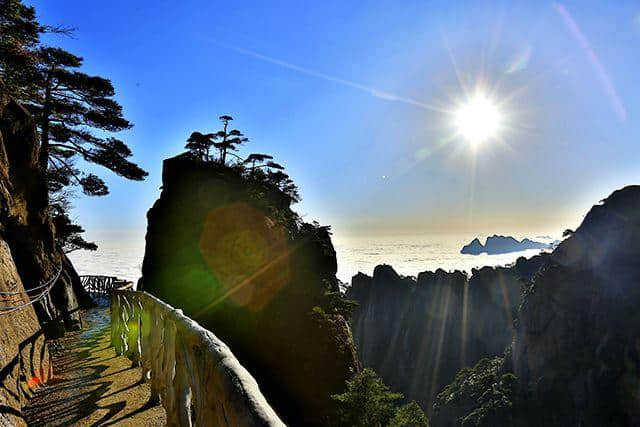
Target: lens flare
[
  {"x": 34, "y": 382},
  {"x": 248, "y": 254}
]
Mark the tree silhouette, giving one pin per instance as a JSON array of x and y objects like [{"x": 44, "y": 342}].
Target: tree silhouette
[
  {"x": 256, "y": 158},
  {"x": 68, "y": 235},
  {"x": 67, "y": 106},
  {"x": 283, "y": 182},
  {"x": 258, "y": 167},
  {"x": 19, "y": 36},
  {"x": 199, "y": 144},
  {"x": 228, "y": 140},
  {"x": 19, "y": 43}
]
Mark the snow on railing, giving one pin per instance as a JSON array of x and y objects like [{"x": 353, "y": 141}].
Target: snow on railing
[{"x": 192, "y": 373}]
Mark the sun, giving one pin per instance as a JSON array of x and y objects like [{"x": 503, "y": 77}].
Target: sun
[{"x": 478, "y": 119}]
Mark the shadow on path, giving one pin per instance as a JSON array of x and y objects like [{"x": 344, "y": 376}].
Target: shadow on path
[{"x": 91, "y": 385}]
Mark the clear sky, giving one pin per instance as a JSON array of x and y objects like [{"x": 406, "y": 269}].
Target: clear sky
[{"x": 355, "y": 99}]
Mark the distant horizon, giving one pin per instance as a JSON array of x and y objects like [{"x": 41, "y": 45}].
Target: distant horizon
[
  {"x": 369, "y": 127},
  {"x": 122, "y": 254}
]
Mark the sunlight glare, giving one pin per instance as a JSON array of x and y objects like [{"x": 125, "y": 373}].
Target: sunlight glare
[{"x": 479, "y": 119}]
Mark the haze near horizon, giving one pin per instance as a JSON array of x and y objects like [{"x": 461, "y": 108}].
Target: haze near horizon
[{"x": 491, "y": 117}]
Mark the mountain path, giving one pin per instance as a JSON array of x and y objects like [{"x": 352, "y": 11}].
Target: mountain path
[{"x": 91, "y": 385}]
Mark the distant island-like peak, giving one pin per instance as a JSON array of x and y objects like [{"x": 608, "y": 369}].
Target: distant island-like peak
[{"x": 503, "y": 244}]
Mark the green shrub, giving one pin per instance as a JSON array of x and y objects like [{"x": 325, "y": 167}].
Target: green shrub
[
  {"x": 409, "y": 415},
  {"x": 368, "y": 402}
]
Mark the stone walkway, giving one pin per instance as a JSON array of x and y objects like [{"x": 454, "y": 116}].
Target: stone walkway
[{"x": 91, "y": 385}]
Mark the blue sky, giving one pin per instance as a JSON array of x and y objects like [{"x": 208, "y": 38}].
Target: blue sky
[{"x": 354, "y": 98}]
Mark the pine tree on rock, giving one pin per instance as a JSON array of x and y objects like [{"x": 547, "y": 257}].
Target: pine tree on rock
[
  {"x": 68, "y": 105},
  {"x": 19, "y": 36},
  {"x": 258, "y": 158},
  {"x": 199, "y": 145},
  {"x": 229, "y": 140}
]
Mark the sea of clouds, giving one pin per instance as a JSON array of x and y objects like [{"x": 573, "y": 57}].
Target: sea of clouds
[{"x": 122, "y": 255}]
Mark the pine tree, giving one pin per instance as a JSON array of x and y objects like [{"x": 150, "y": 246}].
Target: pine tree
[
  {"x": 19, "y": 36},
  {"x": 367, "y": 402},
  {"x": 199, "y": 144},
  {"x": 228, "y": 140},
  {"x": 68, "y": 105},
  {"x": 409, "y": 415},
  {"x": 258, "y": 158}
]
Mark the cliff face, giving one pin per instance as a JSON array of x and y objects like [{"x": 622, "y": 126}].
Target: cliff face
[
  {"x": 574, "y": 359},
  {"x": 576, "y": 346},
  {"x": 232, "y": 255},
  {"x": 418, "y": 333},
  {"x": 501, "y": 245},
  {"x": 24, "y": 358},
  {"x": 26, "y": 225},
  {"x": 28, "y": 257}
]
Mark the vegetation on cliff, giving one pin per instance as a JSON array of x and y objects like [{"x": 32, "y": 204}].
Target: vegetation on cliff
[
  {"x": 573, "y": 357},
  {"x": 224, "y": 245},
  {"x": 486, "y": 393},
  {"x": 75, "y": 113},
  {"x": 259, "y": 170},
  {"x": 367, "y": 401},
  {"x": 417, "y": 333}
]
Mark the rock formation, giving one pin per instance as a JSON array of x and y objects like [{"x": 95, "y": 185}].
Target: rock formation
[
  {"x": 575, "y": 348},
  {"x": 501, "y": 245},
  {"x": 473, "y": 248},
  {"x": 28, "y": 257},
  {"x": 24, "y": 358},
  {"x": 418, "y": 333},
  {"x": 230, "y": 252}
]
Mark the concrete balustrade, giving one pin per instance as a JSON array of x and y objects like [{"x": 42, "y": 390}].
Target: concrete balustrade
[{"x": 192, "y": 373}]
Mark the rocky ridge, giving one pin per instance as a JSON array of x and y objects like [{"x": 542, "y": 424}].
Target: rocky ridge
[
  {"x": 417, "y": 333},
  {"x": 574, "y": 355},
  {"x": 501, "y": 245},
  {"x": 230, "y": 252}
]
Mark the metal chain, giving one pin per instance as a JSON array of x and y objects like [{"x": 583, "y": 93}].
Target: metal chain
[{"x": 49, "y": 285}]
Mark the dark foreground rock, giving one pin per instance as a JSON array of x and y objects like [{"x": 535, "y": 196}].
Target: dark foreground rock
[
  {"x": 28, "y": 257},
  {"x": 233, "y": 256},
  {"x": 417, "y": 333},
  {"x": 574, "y": 358},
  {"x": 24, "y": 357}
]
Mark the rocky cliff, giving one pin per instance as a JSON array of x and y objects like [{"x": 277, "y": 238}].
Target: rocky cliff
[
  {"x": 24, "y": 358},
  {"x": 577, "y": 342},
  {"x": 501, "y": 245},
  {"x": 574, "y": 358},
  {"x": 417, "y": 333},
  {"x": 229, "y": 251},
  {"x": 28, "y": 257}
]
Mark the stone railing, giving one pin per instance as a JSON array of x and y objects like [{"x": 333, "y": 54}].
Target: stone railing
[
  {"x": 101, "y": 285},
  {"x": 192, "y": 373}
]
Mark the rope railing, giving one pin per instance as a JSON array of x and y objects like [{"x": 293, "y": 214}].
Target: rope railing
[
  {"x": 192, "y": 372},
  {"x": 13, "y": 297}
]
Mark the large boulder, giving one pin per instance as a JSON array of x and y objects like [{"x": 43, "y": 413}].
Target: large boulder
[{"x": 230, "y": 252}]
